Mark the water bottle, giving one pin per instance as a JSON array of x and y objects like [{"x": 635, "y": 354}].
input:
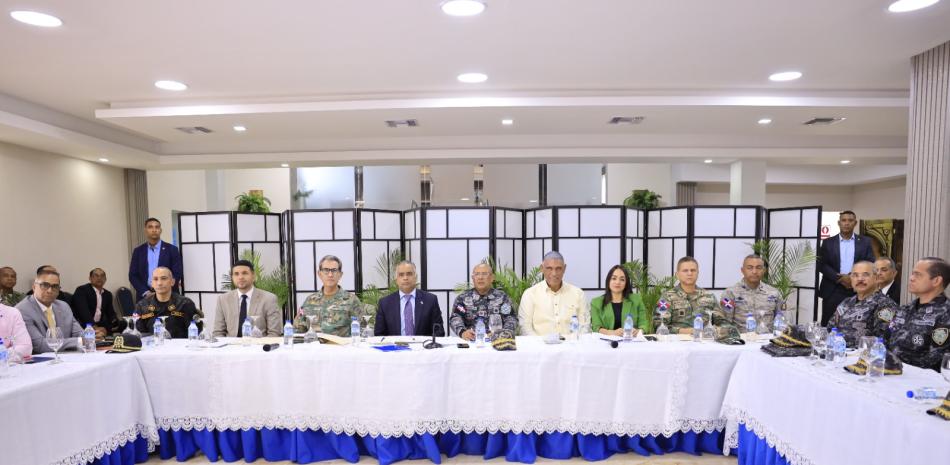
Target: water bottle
[
  {"x": 628, "y": 329},
  {"x": 158, "y": 329},
  {"x": 479, "y": 333},
  {"x": 247, "y": 328},
  {"x": 830, "y": 345},
  {"x": 841, "y": 347},
  {"x": 750, "y": 324},
  {"x": 193, "y": 331},
  {"x": 89, "y": 339},
  {"x": 288, "y": 334},
  {"x": 698, "y": 328},
  {"x": 923, "y": 394},
  {"x": 878, "y": 357},
  {"x": 355, "y": 330},
  {"x": 4, "y": 360},
  {"x": 779, "y": 324},
  {"x": 575, "y": 327}
]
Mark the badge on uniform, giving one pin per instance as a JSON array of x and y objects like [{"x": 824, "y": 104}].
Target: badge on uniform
[
  {"x": 662, "y": 304},
  {"x": 918, "y": 340},
  {"x": 885, "y": 314},
  {"x": 460, "y": 309},
  {"x": 727, "y": 303},
  {"x": 939, "y": 335},
  {"x": 506, "y": 309}
]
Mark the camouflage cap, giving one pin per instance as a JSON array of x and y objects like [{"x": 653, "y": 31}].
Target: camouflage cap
[
  {"x": 942, "y": 410},
  {"x": 892, "y": 366},
  {"x": 793, "y": 342},
  {"x": 125, "y": 343},
  {"x": 504, "y": 340}
]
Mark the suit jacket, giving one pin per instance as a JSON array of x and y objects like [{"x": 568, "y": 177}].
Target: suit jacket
[
  {"x": 36, "y": 326},
  {"x": 138, "y": 267},
  {"x": 895, "y": 290},
  {"x": 262, "y": 304},
  {"x": 829, "y": 262},
  {"x": 427, "y": 313},
  {"x": 84, "y": 308}
]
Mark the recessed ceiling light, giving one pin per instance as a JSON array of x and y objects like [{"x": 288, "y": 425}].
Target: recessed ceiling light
[
  {"x": 170, "y": 85},
  {"x": 845, "y": 162},
  {"x": 240, "y": 128},
  {"x": 285, "y": 165},
  {"x": 463, "y": 7},
  {"x": 465, "y": 199},
  {"x": 765, "y": 121},
  {"x": 707, "y": 161},
  {"x": 104, "y": 160},
  {"x": 532, "y": 201},
  {"x": 472, "y": 78},
  {"x": 903, "y": 6},
  {"x": 785, "y": 76},
  {"x": 507, "y": 122},
  {"x": 34, "y": 18}
]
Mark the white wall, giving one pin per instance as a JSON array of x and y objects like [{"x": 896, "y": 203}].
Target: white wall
[
  {"x": 880, "y": 200},
  {"x": 622, "y": 178},
  {"x": 275, "y": 182},
  {"x": 64, "y": 212},
  {"x": 181, "y": 190}
]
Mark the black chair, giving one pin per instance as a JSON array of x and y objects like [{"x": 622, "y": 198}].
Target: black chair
[{"x": 126, "y": 301}]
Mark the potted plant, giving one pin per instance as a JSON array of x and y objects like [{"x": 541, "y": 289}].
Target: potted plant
[
  {"x": 301, "y": 198},
  {"x": 642, "y": 199},
  {"x": 253, "y": 202}
]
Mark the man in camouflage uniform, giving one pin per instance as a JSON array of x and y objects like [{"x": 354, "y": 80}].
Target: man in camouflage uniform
[
  {"x": 686, "y": 300},
  {"x": 9, "y": 296},
  {"x": 332, "y": 305},
  {"x": 751, "y": 295},
  {"x": 857, "y": 316},
  {"x": 919, "y": 331},
  {"x": 480, "y": 302}
]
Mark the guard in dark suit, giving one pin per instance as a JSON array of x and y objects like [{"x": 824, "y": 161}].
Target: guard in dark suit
[
  {"x": 159, "y": 252},
  {"x": 408, "y": 311},
  {"x": 92, "y": 304},
  {"x": 836, "y": 256},
  {"x": 886, "y": 273}
]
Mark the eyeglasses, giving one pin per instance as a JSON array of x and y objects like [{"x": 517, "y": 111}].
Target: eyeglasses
[
  {"x": 47, "y": 286},
  {"x": 329, "y": 270}
]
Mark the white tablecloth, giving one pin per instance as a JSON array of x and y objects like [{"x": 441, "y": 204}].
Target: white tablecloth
[
  {"x": 637, "y": 389},
  {"x": 75, "y": 411},
  {"x": 824, "y": 416}
]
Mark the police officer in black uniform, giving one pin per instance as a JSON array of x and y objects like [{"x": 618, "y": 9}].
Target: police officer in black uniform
[{"x": 918, "y": 333}]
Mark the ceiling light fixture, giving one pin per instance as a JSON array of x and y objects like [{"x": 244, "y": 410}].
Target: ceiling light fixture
[
  {"x": 707, "y": 161},
  {"x": 170, "y": 85},
  {"x": 463, "y": 7},
  {"x": 765, "y": 121},
  {"x": 785, "y": 76},
  {"x": 104, "y": 160},
  {"x": 34, "y": 18},
  {"x": 507, "y": 122},
  {"x": 465, "y": 199},
  {"x": 903, "y": 6},
  {"x": 240, "y": 128},
  {"x": 532, "y": 201},
  {"x": 472, "y": 78},
  {"x": 285, "y": 165},
  {"x": 845, "y": 162}
]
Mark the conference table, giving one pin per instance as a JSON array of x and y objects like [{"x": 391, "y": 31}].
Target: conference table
[{"x": 316, "y": 402}]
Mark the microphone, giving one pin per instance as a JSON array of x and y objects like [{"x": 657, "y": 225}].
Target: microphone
[
  {"x": 612, "y": 343},
  {"x": 270, "y": 347},
  {"x": 432, "y": 344}
]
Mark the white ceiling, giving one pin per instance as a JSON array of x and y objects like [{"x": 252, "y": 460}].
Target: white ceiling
[{"x": 314, "y": 81}]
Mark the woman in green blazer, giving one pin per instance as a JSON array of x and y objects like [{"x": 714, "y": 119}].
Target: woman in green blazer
[{"x": 609, "y": 311}]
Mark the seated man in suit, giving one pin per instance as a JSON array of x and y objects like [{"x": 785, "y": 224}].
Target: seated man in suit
[
  {"x": 92, "y": 304},
  {"x": 836, "y": 256},
  {"x": 42, "y": 311},
  {"x": 332, "y": 305},
  {"x": 886, "y": 271},
  {"x": 547, "y": 307},
  {"x": 243, "y": 301},
  {"x": 409, "y": 311},
  {"x": 63, "y": 295},
  {"x": 150, "y": 255},
  {"x": 179, "y": 309}
]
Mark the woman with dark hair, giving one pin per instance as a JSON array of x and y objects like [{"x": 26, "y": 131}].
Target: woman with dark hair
[{"x": 609, "y": 311}]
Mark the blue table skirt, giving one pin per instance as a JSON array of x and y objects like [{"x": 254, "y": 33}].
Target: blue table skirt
[
  {"x": 129, "y": 454},
  {"x": 313, "y": 446},
  {"x": 755, "y": 451}
]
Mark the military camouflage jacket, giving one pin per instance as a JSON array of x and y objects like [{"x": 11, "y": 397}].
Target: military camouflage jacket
[
  {"x": 333, "y": 313},
  {"x": 11, "y": 298},
  {"x": 918, "y": 334},
  {"x": 683, "y": 309},
  {"x": 762, "y": 302},
  {"x": 869, "y": 317},
  {"x": 470, "y": 305}
]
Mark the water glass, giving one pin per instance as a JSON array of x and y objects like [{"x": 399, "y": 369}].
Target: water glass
[
  {"x": 54, "y": 339},
  {"x": 945, "y": 367},
  {"x": 494, "y": 323}
]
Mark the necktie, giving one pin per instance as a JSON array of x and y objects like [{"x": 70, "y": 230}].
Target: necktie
[
  {"x": 243, "y": 315},
  {"x": 50, "y": 320},
  {"x": 408, "y": 325}
]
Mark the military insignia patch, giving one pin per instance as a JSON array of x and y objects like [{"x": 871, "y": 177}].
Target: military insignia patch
[
  {"x": 940, "y": 335},
  {"x": 171, "y": 307},
  {"x": 885, "y": 314},
  {"x": 918, "y": 340},
  {"x": 151, "y": 308},
  {"x": 506, "y": 309}
]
